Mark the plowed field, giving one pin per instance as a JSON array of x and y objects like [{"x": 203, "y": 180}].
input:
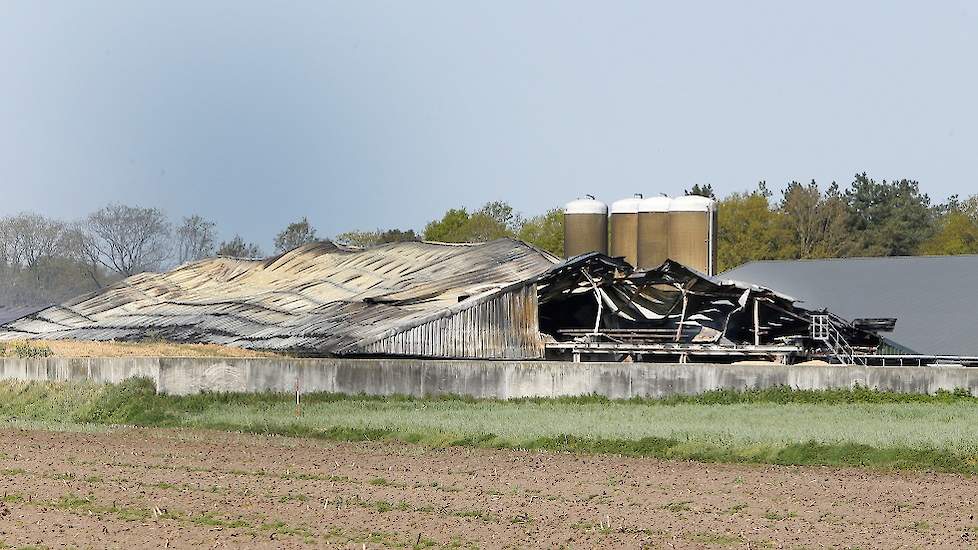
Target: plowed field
[{"x": 139, "y": 488}]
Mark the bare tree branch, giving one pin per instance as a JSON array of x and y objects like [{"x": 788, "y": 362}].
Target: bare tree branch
[
  {"x": 195, "y": 239},
  {"x": 128, "y": 239}
]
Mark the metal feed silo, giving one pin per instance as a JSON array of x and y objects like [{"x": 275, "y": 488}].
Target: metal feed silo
[
  {"x": 653, "y": 232},
  {"x": 624, "y": 229},
  {"x": 692, "y": 232},
  {"x": 585, "y": 227}
]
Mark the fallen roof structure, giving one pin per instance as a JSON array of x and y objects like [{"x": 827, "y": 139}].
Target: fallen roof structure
[
  {"x": 598, "y": 305},
  {"x": 499, "y": 300},
  {"x": 417, "y": 299}
]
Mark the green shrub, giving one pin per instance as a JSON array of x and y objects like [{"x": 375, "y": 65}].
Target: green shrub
[
  {"x": 27, "y": 350},
  {"x": 132, "y": 401}
]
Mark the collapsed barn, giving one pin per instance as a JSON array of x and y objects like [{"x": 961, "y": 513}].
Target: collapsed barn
[
  {"x": 406, "y": 299},
  {"x": 594, "y": 305},
  {"x": 499, "y": 300}
]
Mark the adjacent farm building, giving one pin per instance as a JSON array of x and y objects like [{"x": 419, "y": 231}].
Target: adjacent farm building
[{"x": 934, "y": 299}]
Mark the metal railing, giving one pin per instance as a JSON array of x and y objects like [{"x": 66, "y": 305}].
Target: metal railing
[{"x": 824, "y": 331}]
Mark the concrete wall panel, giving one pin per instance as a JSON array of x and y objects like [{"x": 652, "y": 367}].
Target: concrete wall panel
[{"x": 481, "y": 379}]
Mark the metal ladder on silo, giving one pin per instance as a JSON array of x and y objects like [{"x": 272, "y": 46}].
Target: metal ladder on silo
[{"x": 823, "y": 331}]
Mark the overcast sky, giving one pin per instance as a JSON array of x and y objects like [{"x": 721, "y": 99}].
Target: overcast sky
[{"x": 364, "y": 114}]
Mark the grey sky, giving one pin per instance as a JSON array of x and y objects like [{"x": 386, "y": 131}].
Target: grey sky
[{"x": 365, "y": 114}]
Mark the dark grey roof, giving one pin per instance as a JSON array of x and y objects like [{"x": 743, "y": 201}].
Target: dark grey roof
[
  {"x": 9, "y": 313},
  {"x": 934, "y": 298}
]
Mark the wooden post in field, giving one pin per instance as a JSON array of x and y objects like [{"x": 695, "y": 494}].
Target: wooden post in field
[{"x": 298, "y": 392}]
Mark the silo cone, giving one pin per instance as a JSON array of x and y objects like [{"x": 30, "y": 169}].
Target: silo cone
[{"x": 585, "y": 227}]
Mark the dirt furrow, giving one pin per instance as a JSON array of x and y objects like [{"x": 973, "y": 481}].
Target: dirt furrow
[{"x": 184, "y": 488}]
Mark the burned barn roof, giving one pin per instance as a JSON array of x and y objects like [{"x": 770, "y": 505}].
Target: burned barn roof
[
  {"x": 932, "y": 298},
  {"x": 594, "y": 298},
  {"x": 321, "y": 298}
]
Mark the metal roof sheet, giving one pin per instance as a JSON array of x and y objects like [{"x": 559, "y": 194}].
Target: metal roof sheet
[
  {"x": 933, "y": 298},
  {"x": 317, "y": 298}
]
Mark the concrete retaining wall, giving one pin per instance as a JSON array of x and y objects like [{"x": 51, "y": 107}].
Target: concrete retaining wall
[{"x": 484, "y": 379}]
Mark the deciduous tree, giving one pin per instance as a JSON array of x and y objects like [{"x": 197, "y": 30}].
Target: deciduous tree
[
  {"x": 748, "y": 229},
  {"x": 453, "y": 227},
  {"x": 545, "y": 231},
  {"x": 373, "y": 238},
  {"x": 40, "y": 263},
  {"x": 295, "y": 235},
  {"x": 494, "y": 220},
  {"x": 957, "y": 233},
  {"x": 31, "y": 238},
  {"x": 127, "y": 239},
  {"x": 238, "y": 248},
  {"x": 815, "y": 223},
  {"x": 195, "y": 239}
]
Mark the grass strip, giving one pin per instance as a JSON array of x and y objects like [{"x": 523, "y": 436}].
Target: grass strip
[{"x": 135, "y": 402}]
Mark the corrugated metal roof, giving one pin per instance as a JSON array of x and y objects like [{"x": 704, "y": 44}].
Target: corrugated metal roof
[
  {"x": 9, "y": 313},
  {"x": 317, "y": 298},
  {"x": 933, "y": 298}
]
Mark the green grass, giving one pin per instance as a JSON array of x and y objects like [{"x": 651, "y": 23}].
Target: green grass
[
  {"x": 921, "y": 526},
  {"x": 678, "y": 506},
  {"x": 780, "y": 426},
  {"x": 778, "y": 516}
]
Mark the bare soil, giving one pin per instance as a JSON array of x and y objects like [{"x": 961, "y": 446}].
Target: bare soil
[{"x": 138, "y": 488}]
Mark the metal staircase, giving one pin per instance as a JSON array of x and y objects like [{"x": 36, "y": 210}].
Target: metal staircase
[{"x": 824, "y": 331}]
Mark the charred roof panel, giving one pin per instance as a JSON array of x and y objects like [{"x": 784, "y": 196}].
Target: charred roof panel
[{"x": 318, "y": 298}]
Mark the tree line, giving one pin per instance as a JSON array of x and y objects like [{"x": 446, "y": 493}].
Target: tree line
[
  {"x": 866, "y": 218},
  {"x": 44, "y": 260}
]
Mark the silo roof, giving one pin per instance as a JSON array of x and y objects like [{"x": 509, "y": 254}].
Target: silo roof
[
  {"x": 692, "y": 203},
  {"x": 585, "y": 206},
  {"x": 655, "y": 204},
  {"x": 626, "y": 206}
]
